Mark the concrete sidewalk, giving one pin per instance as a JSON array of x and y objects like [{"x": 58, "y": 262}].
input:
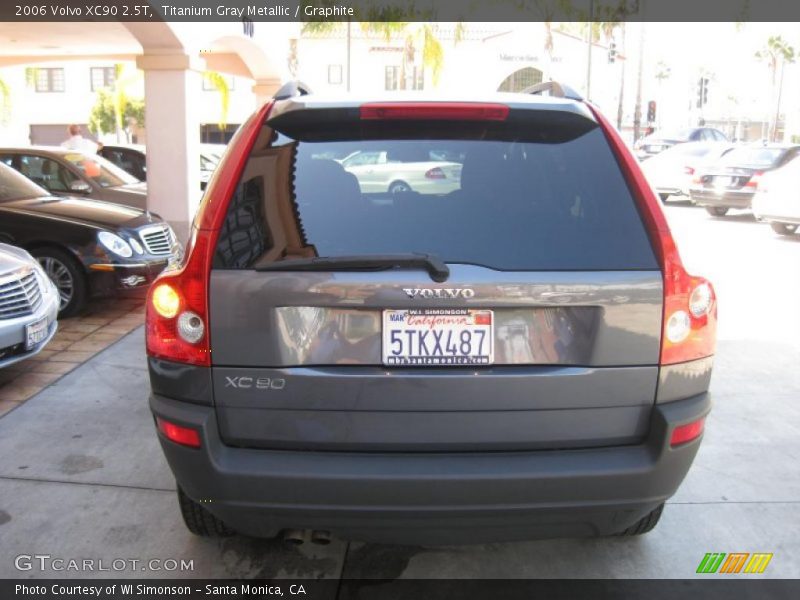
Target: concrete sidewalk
[{"x": 82, "y": 476}]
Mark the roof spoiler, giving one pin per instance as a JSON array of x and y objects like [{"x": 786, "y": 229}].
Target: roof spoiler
[
  {"x": 555, "y": 89},
  {"x": 292, "y": 89}
]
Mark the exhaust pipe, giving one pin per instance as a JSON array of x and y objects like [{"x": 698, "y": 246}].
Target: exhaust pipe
[
  {"x": 295, "y": 537},
  {"x": 323, "y": 538}
]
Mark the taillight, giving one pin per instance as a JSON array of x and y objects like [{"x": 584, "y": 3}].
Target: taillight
[
  {"x": 754, "y": 180},
  {"x": 688, "y": 170},
  {"x": 435, "y": 111},
  {"x": 177, "y": 308},
  {"x": 683, "y": 434},
  {"x": 176, "y": 321},
  {"x": 435, "y": 173},
  {"x": 184, "y": 436},
  {"x": 690, "y": 309}
]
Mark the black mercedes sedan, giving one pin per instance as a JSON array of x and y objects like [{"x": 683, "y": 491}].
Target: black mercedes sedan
[
  {"x": 87, "y": 247},
  {"x": 733, "y": 180}
]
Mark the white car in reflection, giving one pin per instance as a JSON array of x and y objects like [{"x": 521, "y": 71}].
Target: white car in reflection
[
  {"x": 777, "y": 200},
  {"x": 377, "y": 172},
  {"x": 671, "y": 172},
  {"x": 28, "y": 306}
]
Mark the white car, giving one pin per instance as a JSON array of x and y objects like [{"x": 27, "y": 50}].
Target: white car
[
  {"x": 777, "y": 200},
  {"x": 671, "y": 171},
  {"x": 28, "y": 306},
  {"x": 379, "y": 172}
]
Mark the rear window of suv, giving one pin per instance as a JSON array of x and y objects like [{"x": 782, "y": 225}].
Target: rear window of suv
[{"x": 503, "y": 196}]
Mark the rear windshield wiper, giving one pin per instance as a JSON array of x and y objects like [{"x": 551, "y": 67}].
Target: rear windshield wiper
[{"x": 437, "y": 269}]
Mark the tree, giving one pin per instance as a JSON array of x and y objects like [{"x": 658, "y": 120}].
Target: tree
[
  {"x": 111, "y": 110},
  {"x": 776, "y": 53},
  {"x": 220, "y": 85},
  {"x": 414, "y": 35},
  {"x": 5, "y": 102}
]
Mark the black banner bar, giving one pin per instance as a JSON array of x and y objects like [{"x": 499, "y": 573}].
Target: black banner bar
[
  {"x": 712, "y": 588},
  {"x": 399, "y": 10}
]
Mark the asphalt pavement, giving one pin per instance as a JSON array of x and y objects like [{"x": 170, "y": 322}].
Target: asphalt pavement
[{"x": 82, "y": 475}]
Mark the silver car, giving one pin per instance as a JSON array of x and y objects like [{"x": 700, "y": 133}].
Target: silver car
[
  {"x": 28, "y": 306},
  {"x": 64, "y": 172}
]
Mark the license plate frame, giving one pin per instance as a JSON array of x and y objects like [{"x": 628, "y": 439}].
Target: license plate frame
[
  {"x": 35, "y": 333},
  {"x": 436, "y": 337}
]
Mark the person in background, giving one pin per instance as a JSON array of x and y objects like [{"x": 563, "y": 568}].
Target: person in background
[{"x": 76, "y": 141}]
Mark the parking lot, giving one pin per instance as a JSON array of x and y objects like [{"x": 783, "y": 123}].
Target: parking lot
[{"x": 82, "y": 476}]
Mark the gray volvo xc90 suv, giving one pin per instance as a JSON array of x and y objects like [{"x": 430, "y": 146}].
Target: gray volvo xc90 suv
[{"x": 524, "y": 356}]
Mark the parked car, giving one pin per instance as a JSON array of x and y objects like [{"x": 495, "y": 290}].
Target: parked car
[
  {"x": 132, "y": 158},
  {"x": 63, "y": 171},
  {"x": 733, "y": 180},
  {"x": 777, "y": 200},
  {"x": 28, "y": 306},
  {"x": 401, "y": 171},
  {"x": 87, "y": 247},
  {"x": 658, "y": 142},
  {"x": 671, "y": 171},
  {"x": 519, "y": 358}
]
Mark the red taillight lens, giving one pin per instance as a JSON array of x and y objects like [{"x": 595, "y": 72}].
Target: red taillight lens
[
  {"x": 180, "y": 435},
  {"x": 754, "y": 180},
  {"x": 688, "y": 170},
  {"x": 688, "y": 332},
  {"x": 435, "y": 173},
  {"x": 177, "y": 301},
  {"x": 176, "y": 322},
  {"x": 435, "y": 111},
  {"x": 686, "y": 433}
]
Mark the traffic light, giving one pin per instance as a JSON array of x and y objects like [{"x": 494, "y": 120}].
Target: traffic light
[
  {"x": 651, "y": 111},
  {"x": 705, "y": 91},
  {"x": 612, "y": 52}
]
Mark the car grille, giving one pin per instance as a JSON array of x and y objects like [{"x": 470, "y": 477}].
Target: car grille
[
  {"x": 158, "y": 240},
  {"x": 19, "y": 295}
]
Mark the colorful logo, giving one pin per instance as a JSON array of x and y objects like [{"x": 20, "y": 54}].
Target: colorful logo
[{"x": 735, "y": 562}]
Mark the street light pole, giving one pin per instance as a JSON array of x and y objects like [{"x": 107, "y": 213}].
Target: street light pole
[
  {"x": 348, "y": 54},
  {"x": 589, "y": 55}
]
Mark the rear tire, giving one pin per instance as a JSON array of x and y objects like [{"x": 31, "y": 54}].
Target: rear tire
[
  {"x": 783, "y": 228},
  {"x": 664, "y": 198},
  {"x": 69, "y": 277},
  {"x": 398, "y": 187},
  {"x": 645, "y": 524},
  {"x": 199, "y": 521},
  {"x": 717, "y": 211}
]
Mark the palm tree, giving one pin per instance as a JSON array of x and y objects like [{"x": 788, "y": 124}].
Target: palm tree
[
  {"x": 776, "y": 53},
  {"x": 414, "y": 35},
  {"x": 5, "y": 101},
  {"x": 220, "y": 85}
]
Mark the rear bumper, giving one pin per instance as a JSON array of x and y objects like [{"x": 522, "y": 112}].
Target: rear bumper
[
  {"x": 742, "y": 200},
  {"x": 432, "y": 498}
]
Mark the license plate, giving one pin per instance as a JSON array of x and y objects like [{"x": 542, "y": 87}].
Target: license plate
[
  {"x": 438, "y": 337},
  {"x": 722, "y": 182},
  {"x": 35, "y": 333},
  {"x": 654, "y": 148}
]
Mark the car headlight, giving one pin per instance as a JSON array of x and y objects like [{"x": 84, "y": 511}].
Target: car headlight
[{"x": 115, "y": 244}]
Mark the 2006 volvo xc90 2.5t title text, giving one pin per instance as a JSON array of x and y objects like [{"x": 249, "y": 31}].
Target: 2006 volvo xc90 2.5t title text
[{"x": 522, "y": 356}]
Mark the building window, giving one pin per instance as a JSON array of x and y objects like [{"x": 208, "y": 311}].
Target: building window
[
  {"x": 49, "y": 80},
  {"x": 394, "y": 75},
  {"x": 209, "y": 87},
  {"x": 419, "y": 78},
  {"x": 102, "y": 77},
  {"x": 392, "y": 78},
  {"x": 335, "y": 74}
]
